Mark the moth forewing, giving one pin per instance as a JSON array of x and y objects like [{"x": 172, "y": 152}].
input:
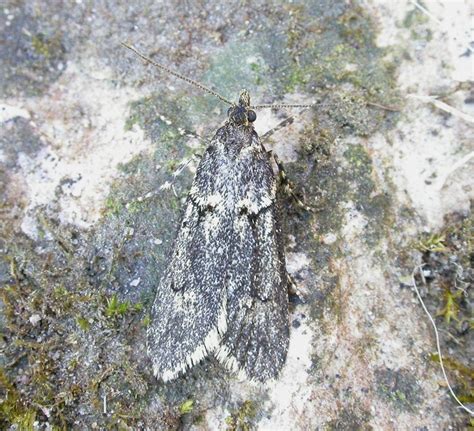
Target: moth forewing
[{"x": 225, "y": 289}]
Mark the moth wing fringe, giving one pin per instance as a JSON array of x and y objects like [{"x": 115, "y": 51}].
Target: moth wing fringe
[
  {"x": 228, "y": 361},
  {"x": 209, "y": 345}
]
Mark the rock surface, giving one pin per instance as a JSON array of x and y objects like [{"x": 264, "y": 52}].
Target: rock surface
[{"x": 89, "y": 134}]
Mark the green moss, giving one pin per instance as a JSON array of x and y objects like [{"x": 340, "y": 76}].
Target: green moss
[
  {"x": 83, "y": 323},
  {"x": 112, "y": 205},
  {"x": 338, "y": 52},
  {"x": 115, "y": 308},
  {"x": 50, "y": 374},
  {"x": 146, "y": 320},
  {"x": 450, "y": 309},
  {"x": 297, "y": 78},
  {"x": 434, "y": 243},
  {"x": 416, "y": 21},
  {"x": 25, "y": 421},
  {"x": 453, "y": 364},
  {"x": 134, "y": 207},
  {"x": 360, "y": 162},
  {"x": 448, "y": 254},
  {"x": 356, "y": 27},
  {"x": 12, "y": 410},
  {"x": 186, "y": 407},
  {"x": 33, "y": 57},
  {"x": 242, "y": 419},
  {"x": 46, "y": 47},
  {"x": 137, "y": 306}
]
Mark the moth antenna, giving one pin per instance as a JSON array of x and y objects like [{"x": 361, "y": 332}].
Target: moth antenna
[
  {"x": 176, "y": 74},
  {"x": 283, "y": 105}
]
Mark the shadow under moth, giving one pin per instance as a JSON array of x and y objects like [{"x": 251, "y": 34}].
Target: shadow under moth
[{"x": 225, "y": 289}]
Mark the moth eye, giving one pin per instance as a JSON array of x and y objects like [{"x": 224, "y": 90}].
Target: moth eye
[{"x": 251, "y": 116}]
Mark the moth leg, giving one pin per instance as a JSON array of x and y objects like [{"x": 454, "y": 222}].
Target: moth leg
[
  {"x": 279, "y": 126},
  {"x": 184, "y": 163},
  {"x": 287, "y": 185},
  {"x": 167, "y": 185},
  {"x": 292, "y": 286},
  {"x": 295, "y": 296},
  {"x": 191, "y": 134}
]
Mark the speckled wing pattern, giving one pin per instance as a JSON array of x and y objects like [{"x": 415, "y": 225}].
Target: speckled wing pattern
[{"x": 225, "y": 289}]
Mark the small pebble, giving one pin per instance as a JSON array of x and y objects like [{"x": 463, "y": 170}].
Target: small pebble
[
  {"x": 35, "y": 319},
  {"x": 136, "y": 282}
]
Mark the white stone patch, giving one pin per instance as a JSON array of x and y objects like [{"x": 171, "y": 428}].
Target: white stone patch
[
  {"x": 355, "y": 223},
  {"x": 295, "y": 262},
  {"x": 329, "y": 238},
  {"x": 35, "y": 319},
  {"x": 8, "y": 112},
  {"x": 135, "y": 282},
  {"x": 290, "y": 394},
  {"x": 82, "y": 119},
  {"x": 426, "y": 142}
]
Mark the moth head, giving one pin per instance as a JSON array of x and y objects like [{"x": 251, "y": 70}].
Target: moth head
[{"x": 241, "y": 114}]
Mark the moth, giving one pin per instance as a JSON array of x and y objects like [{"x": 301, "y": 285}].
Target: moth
[{"x": 225, "y": 289}]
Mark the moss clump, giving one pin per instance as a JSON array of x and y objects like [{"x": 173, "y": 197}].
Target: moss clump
[
  {"x": 339, "y": 56},
  {"x": 414, "y": 17},
  {"x": 12, "y": 409},
  {"x": 47, "y": 336},
  {"x": 447, "y": 256},
  {"x": 417, "y": 21},
  {"x": 431, "y": 243},
  {"x": 112, "y": 206},
  {"x": 115, "y": 308},
  {"x": 242, "y": 418},
  {"x": 46, "y": 47},
  {"x": 83, "y": 323},
  {"x": 186, "y": 407},
  {"x": 464, "y": 375}
]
